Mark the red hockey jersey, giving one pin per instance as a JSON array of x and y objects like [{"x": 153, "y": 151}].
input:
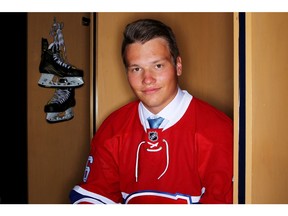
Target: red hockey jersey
[{"x": 190, "y": 162}]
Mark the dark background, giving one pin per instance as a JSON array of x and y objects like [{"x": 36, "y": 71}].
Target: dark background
[{"x": 13, "y": 162}]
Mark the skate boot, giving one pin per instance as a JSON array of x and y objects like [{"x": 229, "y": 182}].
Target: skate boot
[
  {"x": 60, "y": 106},
  {"x": 55, "y": 72}
]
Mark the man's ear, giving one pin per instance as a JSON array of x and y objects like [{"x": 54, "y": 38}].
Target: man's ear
[{"x": 179, "y": 66}]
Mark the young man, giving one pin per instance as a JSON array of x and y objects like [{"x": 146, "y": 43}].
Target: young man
[{"x": 188, "y": 159}]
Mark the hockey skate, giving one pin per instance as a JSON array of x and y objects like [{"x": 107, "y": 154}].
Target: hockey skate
[
  {"x": 55, "y": 72},
  {"x": 60, "y": 106}
]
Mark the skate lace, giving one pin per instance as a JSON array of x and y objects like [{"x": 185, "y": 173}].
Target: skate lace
[
  {"x": 57, "y": 58},
  {"x": 57, "y": 34},
  {"x": 60, "y": 96},
  {"x": 58, "y": 45},
  {"x": 55, "y": 48}
]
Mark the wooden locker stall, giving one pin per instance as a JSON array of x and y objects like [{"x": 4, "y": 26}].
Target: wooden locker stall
[
  {"x": 206, "y": 42},
  {"x": 57, "y": 152}
]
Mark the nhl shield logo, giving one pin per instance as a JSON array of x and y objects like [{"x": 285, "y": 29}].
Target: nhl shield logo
[{"x": 153, "y": 136}]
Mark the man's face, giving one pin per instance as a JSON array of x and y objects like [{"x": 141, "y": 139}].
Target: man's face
[{"x": 152, "y": 74}]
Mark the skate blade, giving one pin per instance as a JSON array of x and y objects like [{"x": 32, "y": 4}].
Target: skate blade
[
  {"x": 53, "y": 81},
  {"x": 60, "y": 116}
]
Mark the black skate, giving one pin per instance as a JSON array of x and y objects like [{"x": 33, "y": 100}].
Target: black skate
[
  {"x": 55, "y": 72},
  {"x": 60, "y": 106}
]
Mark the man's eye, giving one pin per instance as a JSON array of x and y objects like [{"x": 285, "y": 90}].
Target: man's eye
[
  {"x": 136, "y": 69},
  {"x": 158, "y": 66}
]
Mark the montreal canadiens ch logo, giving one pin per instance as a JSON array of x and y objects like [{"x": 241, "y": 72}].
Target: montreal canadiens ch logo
[{"x": 153, "y": 136}]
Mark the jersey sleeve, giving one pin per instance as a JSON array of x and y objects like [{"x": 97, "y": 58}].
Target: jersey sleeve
[
  {"x": 101, "y": 177},
  {"x": 101, "y": 180}
]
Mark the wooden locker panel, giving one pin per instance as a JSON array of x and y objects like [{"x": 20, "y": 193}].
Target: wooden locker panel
[
  {"x": 267, "y": 115},
  {"x": 57, "y": 152}
]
